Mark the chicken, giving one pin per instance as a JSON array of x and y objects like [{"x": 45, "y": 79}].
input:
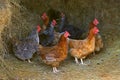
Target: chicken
[
  {"x": 55, "y": 54},
  {"x": 62, "y": 23},
  {"x": 45, "y": 19},
  {"x": 47, "y": 36},
  {"x": 53, "y": 14},
  {"x": 57, "y": 37},
  {"x": 80, "y": 49},
  {"x": 25, "y": 48},
  {"x": 98, "y": 38},
  {"x": 98, "y": 42},
  {"x": 76, "y": 33},
  {"x": 44, "y": 38}
]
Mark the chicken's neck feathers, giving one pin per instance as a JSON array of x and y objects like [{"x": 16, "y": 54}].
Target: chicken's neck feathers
[
  {"x": 91, "y": 36},
  {"x": 63, "y": 43},
  {"x": 62, "y": 40},
  {"x": 46, "y": 21}
]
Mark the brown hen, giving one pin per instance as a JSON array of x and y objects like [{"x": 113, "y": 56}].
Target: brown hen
[
  {"x": 54, "y": 55},
  {"x": 80, "y": 49},
  {"x": 98, "y": 37}
]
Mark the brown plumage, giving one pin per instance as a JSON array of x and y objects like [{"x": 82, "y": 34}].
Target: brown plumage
[
  {"x": 80, "y": 49},
  {"x": 45, "y": 19},
  {"x": 98, "y": 42},
  {"x": 98, "y": 37},
  {"x": 54, "y": 55}
]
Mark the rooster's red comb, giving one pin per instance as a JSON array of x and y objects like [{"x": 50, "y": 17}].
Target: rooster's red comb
[{"x": 95, "y": 22}]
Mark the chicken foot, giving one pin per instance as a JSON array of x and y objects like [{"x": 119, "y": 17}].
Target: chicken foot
[
  {"x": 55, "y": 70},
  {"x": 76, "y": 60},
  {"x": 29, "y": 61},
  {"x": 82, "y": 62}
]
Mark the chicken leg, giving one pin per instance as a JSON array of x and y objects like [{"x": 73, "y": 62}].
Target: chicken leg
[
  {"x": 29, "y": 61},
  {"x": 55, "y": 70},
  {"x": 82, "y": 62},
  {"x": 76, "y": 60}
]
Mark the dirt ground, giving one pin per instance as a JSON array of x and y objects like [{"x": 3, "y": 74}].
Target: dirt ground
[{"x": 104, "y": 65}]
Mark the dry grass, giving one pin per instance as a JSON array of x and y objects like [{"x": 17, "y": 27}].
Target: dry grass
[
  {"x": 15, "y": 21},
  {"x": 5, "y": 13}
]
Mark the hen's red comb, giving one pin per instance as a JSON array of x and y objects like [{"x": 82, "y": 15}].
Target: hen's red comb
[
  {"x": 38, "y": 28},
  {"x": 96, "y": 30},
  {"x": 44, "y": 14},
  {"x": 66, "y": 34},
  {"x": 54, "y": 21},
  {"x": 95, "y": 22}
]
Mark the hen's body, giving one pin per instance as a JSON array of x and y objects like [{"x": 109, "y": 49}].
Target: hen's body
[
  {"x": 98, "y": 42},
  {"x": 80, "y": 49},
  {"x": 54, "y": 55},
  {"x": 75, "y": 32},
  {"x": 25, "y": 48}
]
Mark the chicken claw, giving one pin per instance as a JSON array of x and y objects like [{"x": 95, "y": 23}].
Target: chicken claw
[
  {"x": 76, "y": 60},
  {"x": 83, "y": 62},
  {"x": 55, "y": 70},
  {"x": 29, "y": 61}
]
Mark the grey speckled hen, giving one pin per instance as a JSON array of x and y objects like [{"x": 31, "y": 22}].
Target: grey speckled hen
[{"x": 25, "y": 48}]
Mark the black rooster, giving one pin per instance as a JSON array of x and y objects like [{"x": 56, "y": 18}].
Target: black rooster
[
  {"x": 75, "y": 32},
  {"x": 47, "y": 36}
]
